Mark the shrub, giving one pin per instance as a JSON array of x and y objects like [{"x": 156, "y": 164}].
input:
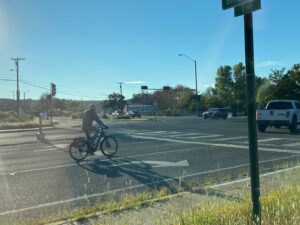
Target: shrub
[
  {"x": 75, "y": 116},
  {"x": 122, "y": 117}
]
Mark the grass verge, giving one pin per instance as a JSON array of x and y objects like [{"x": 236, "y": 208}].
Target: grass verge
[
  {"x": 22, "y": 125},
  {"x": 280, "y": 207},
  {"x": 126, "y": 201}
]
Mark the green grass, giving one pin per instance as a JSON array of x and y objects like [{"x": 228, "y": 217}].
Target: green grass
[
  {"x": 280, "y": 207},
  {"x": 11, "y": 117}
]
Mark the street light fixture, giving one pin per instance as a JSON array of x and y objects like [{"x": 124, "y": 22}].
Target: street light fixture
[{"x": 195, "y": 62}]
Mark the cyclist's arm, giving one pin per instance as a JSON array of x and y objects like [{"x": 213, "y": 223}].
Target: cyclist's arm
[{"x": 96, "y": 118}]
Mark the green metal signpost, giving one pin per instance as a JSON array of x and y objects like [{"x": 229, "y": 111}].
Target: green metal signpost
[
  {"x": 246, "y": 9},
  {"x": 226, "y": 4}
]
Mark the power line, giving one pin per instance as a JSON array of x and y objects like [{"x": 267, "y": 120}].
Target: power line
[
  {"x": 7, "y": 79},
  {"x": 63, "y": 88},
  {"x": 62, "y": 92},
  {"x": 33, "y": 85}
]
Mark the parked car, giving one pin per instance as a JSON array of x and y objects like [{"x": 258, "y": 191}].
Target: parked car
[
  {"x": 117, "y": 113},
  {"x": 134, "y": 114},
  {"x": 279, "y": 113},
  {"x": 216, "y": 113}
]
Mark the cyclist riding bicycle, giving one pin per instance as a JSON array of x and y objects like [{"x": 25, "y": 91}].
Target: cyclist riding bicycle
[{"x": 89, "y": 116}]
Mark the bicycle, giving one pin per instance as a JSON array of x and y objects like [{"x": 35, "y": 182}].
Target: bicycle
[{"x": 80, "y": 147}]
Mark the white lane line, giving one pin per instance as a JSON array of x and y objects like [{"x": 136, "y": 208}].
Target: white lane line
[
  {"x": 231, "y": 138},
  {"x": 248, "y": 178},
  {"x": 296, "y": 144},
  {"x": 263, "y": 141},
  {"x": 206, "y": 136},
  {"x": 85, "y": 197},
  {"x": 184, "y": 134},
  {"x": 218, "y": 144},
  {"x": 97, "y": 155},
  {"x": 269, "y": 139}
]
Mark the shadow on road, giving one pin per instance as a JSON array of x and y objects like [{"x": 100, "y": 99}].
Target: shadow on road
[
  {"x": 139, "y": 171},
  {"x": 44, "y": 140}
]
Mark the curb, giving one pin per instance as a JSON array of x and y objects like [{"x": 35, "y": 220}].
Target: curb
[
  {"x": 128, "y": 207},
  {"x": 25, "y": 129}
]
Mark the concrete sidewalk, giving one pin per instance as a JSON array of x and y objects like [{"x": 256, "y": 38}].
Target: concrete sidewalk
[{"x": 173, "y": 205}]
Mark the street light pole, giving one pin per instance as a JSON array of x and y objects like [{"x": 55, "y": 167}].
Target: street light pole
[
  {"x": 197, "y": 105},
  {"x": 121, "y": 83},
  {"x": 196, "y": 81},
  {"x": 18, "y": 90}
]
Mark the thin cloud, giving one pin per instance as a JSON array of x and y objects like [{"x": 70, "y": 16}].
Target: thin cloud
[
  {"x": 269, "y": 63},
  {"x": 209, "y": 85},
  {"x": 134, "y": 82}
]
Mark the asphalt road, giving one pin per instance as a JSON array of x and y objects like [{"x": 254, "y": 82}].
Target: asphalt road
[{"x": 39, "y": 179}]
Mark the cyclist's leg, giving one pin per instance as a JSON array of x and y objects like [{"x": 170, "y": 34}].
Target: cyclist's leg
[{"x": 87, "y": 134}]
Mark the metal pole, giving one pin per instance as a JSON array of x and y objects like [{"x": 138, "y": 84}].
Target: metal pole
[
  {"x": 252, "y": 132},
  {"x": 16, "y": 60},
  {"x": 51, "y": 121},
  {"x": 196, "y": 80},
  {"x": 18, "y": 91}
]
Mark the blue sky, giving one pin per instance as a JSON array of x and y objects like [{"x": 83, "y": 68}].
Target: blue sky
[{"x": 86, "y": 47}]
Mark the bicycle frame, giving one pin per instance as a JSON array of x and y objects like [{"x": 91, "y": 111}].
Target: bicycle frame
[{"x": 101, "y": 136}]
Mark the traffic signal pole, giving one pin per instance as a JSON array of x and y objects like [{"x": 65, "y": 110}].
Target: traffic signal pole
[
  {"x": 53, "y": 93},
  {"x": 16, "y": 60},
  {"x": 252, "y": 133}
]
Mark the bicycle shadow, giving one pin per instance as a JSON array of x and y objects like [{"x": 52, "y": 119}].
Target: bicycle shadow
[
  {"x": 138, "y": 170},
  {"x": 45, "y": 141}
]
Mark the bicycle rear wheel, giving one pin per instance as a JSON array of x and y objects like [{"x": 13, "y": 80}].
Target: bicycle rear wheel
[
  {"x": 109, "y": 146},
  {"x": 78, "y": 151}
]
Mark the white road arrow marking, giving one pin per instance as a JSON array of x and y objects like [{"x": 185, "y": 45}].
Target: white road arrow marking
[{"x": 155, "y": 164}]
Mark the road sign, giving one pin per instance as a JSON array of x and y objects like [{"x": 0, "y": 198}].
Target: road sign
[
  {"x": 247, "y": 8},
  {"x": 226, "y": 4}
]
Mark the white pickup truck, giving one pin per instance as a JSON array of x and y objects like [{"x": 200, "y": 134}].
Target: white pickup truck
[{"x": 279, "y": 113}]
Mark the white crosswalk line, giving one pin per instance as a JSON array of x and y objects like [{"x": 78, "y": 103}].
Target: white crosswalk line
[
  {"x": 184, "y": 134},
  {"x": 206, "y": 136},
  {"x": 230, "y": 146},
  {"x": 269, "y": 139},
  {"x": 231, "y": 138},
  {"x": 265, "y": 140},
  {"x": 295, "y": 144}
]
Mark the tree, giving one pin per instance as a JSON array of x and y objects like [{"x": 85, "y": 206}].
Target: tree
[
  {"x": 59, "y": 104},
  {"x": 115, "y": 101},
  {"x": 240, "y": 82},
  {"x": 294, "y": 72},
  {"x": 224, "y": 85},
  {"x": 43, "y": 104},
  {"x": 74, "y": 105},
  {"x": 265, "y": 92},
  {"x": 276, "y": 75}
]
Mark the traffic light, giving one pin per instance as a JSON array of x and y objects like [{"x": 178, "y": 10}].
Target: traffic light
[
  {"x": 197, "y": 97},
  {"x": 166, "y": 88},
  {"x": 53, "y": 89},
  {"x": 144, "y": 87}
]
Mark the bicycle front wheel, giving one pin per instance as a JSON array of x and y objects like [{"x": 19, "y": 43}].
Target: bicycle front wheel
[{"x": 109, "y": 146}]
